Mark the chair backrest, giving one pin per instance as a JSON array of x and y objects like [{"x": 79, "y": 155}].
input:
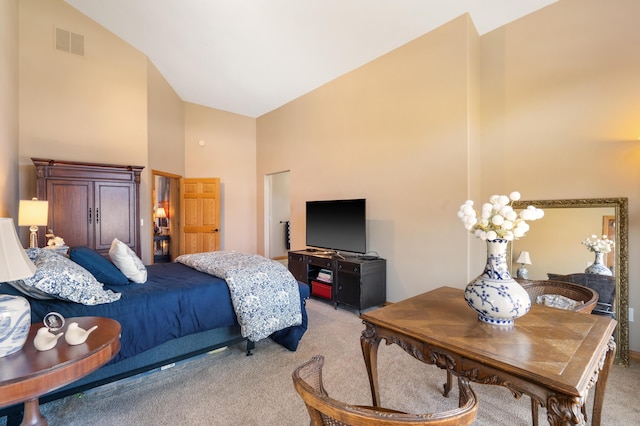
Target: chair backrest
[
  {"x": 577, "y": 292},
  {"x": 324, "y": 410},
  {"x": 604, "y": 285}
]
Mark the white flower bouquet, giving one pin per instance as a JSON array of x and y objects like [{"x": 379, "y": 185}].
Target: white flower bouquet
[
  {"x": 599, "y": 245},
  {"x": 498, "y": 219}
]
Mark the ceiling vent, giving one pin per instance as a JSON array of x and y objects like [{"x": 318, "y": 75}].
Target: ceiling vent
[{"x": 67, "y": 41}]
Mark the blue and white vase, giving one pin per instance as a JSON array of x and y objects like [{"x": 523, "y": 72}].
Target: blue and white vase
[
  {"x": 495, "y": 295},
  {"x": 597, "y": 267},
  {"x": 15, "y": 321}
]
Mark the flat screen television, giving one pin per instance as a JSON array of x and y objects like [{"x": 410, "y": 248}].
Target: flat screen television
[{"x": 339, "y": 225}]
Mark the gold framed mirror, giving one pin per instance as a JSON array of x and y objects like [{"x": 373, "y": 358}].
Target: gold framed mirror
[{"x": 556, "y": 243}]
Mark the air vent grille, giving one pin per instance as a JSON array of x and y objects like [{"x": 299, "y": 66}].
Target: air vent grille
[{"x": 67, "y": 41}]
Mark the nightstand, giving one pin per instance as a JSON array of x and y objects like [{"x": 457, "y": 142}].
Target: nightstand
[{"x": 161, "y": 249}]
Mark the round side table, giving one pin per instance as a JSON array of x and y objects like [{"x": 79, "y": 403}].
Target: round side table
[{"x": 27, "y": 374}]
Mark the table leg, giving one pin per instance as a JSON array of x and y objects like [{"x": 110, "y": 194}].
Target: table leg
[
  {"x": 370, "y": 344},
  {"x": 601, "y": 384},
  {"x": 32, "y": 415},
  {"x": 564, "y": 410},
  {"x": 448, "y": 385}
]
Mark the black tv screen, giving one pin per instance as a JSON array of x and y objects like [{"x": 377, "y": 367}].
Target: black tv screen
[{"x": 337, "y": 225}]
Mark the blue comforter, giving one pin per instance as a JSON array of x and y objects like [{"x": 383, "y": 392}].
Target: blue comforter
[{"x": 175, "y": 301}]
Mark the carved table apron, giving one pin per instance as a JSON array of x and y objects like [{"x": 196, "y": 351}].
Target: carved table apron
[{"x": 551, "y": 355}]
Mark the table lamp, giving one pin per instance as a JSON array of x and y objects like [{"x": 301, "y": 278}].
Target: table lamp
[
  {"x": 162, "y": 217},
  {"x": 523, "y": 259},
  {"x": 33, "y": 213},
  {"x": 15, "y": 312}
]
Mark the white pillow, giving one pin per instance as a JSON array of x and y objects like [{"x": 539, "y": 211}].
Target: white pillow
[
  {"x": 126, "y": 260},
  {"x": 558, "y": 301}
]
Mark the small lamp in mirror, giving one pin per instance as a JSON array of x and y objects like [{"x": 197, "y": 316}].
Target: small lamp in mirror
[
  {"x": 33, "y": 213},
  {"x": 161, "y": 215},
  {"x": 15, "y": 312},
  {"x": 523, "y": 259}
]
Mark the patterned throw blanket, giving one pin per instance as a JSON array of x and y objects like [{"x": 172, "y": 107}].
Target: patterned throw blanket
[{"x": 264, "y": 294}]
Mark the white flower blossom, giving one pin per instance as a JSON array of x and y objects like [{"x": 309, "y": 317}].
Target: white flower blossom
[
  {"x": 498, "y": 219},
  {"x": 599, "y": 245}
]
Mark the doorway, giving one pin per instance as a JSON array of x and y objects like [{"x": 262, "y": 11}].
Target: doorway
[
  {"x": 277, "y": 235},
  {"x": 165, "y": 208}
]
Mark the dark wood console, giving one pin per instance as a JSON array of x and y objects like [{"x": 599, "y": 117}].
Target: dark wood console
[{"x": 353, "y": 281}]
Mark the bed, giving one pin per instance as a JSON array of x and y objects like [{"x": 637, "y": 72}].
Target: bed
[{"x": 175, "y": 313}]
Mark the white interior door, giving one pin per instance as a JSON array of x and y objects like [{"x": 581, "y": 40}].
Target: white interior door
[{"x": 277, "y": 214}]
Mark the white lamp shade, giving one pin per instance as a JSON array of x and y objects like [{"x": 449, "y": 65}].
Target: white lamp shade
[
  {"x": 524, "y": 258},
  {"x": 33, "y": 212},
  {"x": 14, "y": 262},
  {"x": 160, "y": 213}
]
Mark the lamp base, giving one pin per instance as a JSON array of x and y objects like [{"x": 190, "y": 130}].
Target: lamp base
[
  {"x": 522, "y": 273},
  {"x": 33, "y": 237},
  {"x": 15, "y": 321}
]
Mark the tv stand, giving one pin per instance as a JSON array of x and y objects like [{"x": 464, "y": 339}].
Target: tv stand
[{"x": 348, "y": 280}]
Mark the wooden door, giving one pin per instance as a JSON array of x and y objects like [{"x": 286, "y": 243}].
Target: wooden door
[
  {"x": 199, "y": 215},
  {"x": 71, "y": 213},
  {"x": 115, "y": 215}
]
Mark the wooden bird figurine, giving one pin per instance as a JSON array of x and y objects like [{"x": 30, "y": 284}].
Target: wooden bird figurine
[
  {"x": 45, "y": 339},
  {"x": 76, "y": 335}
]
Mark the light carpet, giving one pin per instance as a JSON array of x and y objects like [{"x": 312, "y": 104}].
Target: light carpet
[{"x": 229, "y": 388}]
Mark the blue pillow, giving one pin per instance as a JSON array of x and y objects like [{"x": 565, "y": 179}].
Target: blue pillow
[{"x": 99, "y": 266}]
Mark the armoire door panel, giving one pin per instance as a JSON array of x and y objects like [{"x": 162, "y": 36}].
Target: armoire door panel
[
  {"x": 114, "y": 215},
  {"x": 71, "y": 213}
]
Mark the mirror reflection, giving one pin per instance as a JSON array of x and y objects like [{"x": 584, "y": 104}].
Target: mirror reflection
[{"x": 555, "y": 246}]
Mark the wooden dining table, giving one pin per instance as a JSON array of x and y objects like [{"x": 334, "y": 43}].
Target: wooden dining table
[{"x": 552, "y": 355}]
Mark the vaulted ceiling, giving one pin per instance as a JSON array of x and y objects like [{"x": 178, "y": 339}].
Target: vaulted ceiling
[{"x": 253, "y": 56}]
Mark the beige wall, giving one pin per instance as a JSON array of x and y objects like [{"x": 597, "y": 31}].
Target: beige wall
[
  {"x": 396, "y": 132},
  {"x": 166, "y": 129},
  {"x": 565, "y": 115},
  {"x": 229, "y": 153},
  {"x": 109, "y": 106},
  {"x": 9, "y": 109},
  {"x": 69, "y": 103}
]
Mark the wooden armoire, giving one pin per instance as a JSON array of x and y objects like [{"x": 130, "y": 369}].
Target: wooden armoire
[{"x": 90, "y": 204}]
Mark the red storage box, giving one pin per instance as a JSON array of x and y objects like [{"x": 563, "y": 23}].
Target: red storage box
[{"x": 321, "y": 290}]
